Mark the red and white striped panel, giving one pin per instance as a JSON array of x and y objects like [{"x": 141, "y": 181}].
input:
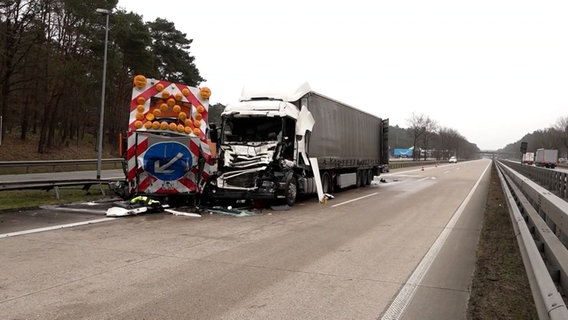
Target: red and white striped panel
[{"x": 138, "y": 143}]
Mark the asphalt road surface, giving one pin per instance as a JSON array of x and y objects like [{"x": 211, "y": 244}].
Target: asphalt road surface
[{"x": 399, "y": 249}]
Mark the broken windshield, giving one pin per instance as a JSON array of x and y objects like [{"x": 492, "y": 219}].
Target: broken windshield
[{"x": 251, "y": 129}]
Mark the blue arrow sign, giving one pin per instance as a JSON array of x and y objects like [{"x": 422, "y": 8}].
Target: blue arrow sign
[{"x": 167, "y": 161}]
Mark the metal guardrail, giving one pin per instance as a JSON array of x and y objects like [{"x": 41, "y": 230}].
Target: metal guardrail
[
  {"x": 63, "y": 165},
  {"x": 49, "y": 184},
  {"x": 554, "y": 181},
  {"x": 539, "y": 219},
  {"x": 55, "y": 184},
  {"x": 53, "y": 165}
]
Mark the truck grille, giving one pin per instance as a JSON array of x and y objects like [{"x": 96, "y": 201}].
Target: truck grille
[{"x": 245, "y": 180}]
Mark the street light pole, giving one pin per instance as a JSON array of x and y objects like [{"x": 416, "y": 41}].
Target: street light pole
[{"x": 102, "y": 116}]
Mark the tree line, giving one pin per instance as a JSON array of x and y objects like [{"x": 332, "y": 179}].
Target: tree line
[
  {"x": 430, "y": 140},
  {"x": 424, "y": 133},
  {"x": 51, "y": 65},
  {"x": 553, "y": 137}
]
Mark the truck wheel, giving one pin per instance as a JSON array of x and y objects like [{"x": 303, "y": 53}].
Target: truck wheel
[
  {"x": 369, "y": 177},
  {"x": 359, "y": 181},
  {"x": 364, "y": 177},
  {"x": 326, "y": 183},
  {"x": 291, "y": 191}
]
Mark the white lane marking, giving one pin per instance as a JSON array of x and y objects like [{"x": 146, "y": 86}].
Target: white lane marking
[
  {"x": 400, "y": 175},
  {"x": 356, "y": 199},
  {"x": 55, "y": 207},
  {"x": 61, "y": 226},
  {"x": 398, "y": 306}
]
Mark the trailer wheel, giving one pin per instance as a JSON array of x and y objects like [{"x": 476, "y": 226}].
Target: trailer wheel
[
  {"x": 291, "y": 191},
  {"x": 359, "y": 180},
  {"x": 369, "y": 177},
  {"x": 326, "y": 182},
  {"x": 364, "y": 178}
]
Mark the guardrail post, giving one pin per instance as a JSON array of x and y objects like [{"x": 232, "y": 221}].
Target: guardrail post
[
  {"x": 101, "y": 188},
  {"x": 57, "y": 195}
]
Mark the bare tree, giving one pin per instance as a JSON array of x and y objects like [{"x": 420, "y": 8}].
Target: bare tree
[
  {"x": 418, "y": 125},
  {"x": 431, "y": 128},
  {"x": 448, "y": 142},
  {"x": 416, "y": 128}
]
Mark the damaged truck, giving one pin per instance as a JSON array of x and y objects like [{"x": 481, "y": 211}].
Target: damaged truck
[{"x": 276, "y": 145}]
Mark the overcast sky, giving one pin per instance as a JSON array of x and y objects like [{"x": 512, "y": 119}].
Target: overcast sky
[{"x": 492, "y": 70}]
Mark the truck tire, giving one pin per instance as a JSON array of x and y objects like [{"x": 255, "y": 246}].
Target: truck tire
[
  {"x": 369, "y": 177},
  {"x": 364, "y": 177},
  {"x": 359, "y": 181},
  {"x": 291, "y": 191},
  {"x": 326, "y": 182}
]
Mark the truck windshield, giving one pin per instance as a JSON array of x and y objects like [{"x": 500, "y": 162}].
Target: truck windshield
[{"x": 251, "y": 129}]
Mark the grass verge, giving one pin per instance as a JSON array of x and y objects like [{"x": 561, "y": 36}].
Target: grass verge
[
  {"x": 22, "y": 199},
  {"x": 500, "y": 287}
]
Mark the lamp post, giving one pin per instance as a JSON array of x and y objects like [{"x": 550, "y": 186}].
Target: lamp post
[{"x": 102, "y": 116}]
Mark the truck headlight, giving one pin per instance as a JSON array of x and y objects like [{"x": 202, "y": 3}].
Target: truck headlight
[{"x": 267, "y": 184}]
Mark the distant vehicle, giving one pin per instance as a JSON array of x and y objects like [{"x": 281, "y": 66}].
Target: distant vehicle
[
  {"x": 453, "y": 159},
  {"x": 528, "y": 158},
  {"x": 546, "y": 158}
]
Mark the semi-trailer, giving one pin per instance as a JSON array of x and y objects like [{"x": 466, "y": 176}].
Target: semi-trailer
[
  {"x": 546, "y": 158},
  {"x": 276, "y": 144}
]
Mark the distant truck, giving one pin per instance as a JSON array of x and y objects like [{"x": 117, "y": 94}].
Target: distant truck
[
  {"x": 275, "y": 145},
  {"x": 546, "y": 158},
  {"x": 528, "y": 158}
]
